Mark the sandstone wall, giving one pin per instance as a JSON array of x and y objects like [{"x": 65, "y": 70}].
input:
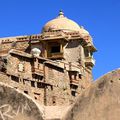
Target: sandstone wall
[
  {"x": 73, "y": 51},
  {"x": 60, "y": 93},
  {"x": 18, "y": 65}
]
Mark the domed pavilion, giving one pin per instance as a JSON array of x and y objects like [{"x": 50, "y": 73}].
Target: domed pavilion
[{"x": 63, "y": 38}]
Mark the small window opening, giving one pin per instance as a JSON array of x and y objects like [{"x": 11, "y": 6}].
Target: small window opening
[
  {"x": 72, "y": 75},
  {"x": 26, "y": 92},
  {"x": 24, "y": 81},
  {"x": 53, "y": 100},
  {"x": 33, "y": 83},
  {"x": 55, "y": 49},
  {"x": 73, "y": 87},
  {"x": 40, "y": 85},
  {"x": 14, "y": 78},
  {"x": 37, "y": 77},
  {"x": 37, "y": 96},
  {"x": 80, "y": 76},
  {"x": 75, "y": 77},
  {"x": 73, "y": 93}
]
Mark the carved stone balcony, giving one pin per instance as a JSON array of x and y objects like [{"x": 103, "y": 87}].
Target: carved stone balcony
[
  {"x": 37, "y": 71},
  {"x": 74, "y": 82},
  {"x": 55, "y": 56},
  {"x": 89, "y": 61}
]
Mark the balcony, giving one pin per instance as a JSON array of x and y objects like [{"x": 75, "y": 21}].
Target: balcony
[
  {"x": 89, "y": 61},
  {"x": 55, "y": 56},
  {"x": 37, "y": 71},
  {"x": 74, "y": 82}
]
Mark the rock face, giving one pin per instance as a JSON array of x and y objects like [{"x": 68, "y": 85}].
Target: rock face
[
  {"x": 100, "y": 102},
  {"x": 16, "y": 106}
]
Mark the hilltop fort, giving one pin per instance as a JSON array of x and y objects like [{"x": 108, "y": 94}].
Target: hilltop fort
[{"x": 52, "y": 67}]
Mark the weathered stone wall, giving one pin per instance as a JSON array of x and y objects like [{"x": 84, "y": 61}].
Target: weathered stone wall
[
  {"x": 73, "y": 51},
  {"x": 25, "y": 86},
  {"x": 60, "y": 93},
  {"x": 22, "y": 45},
  {"x": 13, "y": 67},
  {"x": 54, "y": 87},
  {"x": 7, "y": 46}
]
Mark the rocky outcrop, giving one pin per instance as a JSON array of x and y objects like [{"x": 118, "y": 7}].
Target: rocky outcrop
[
  {"x": 15, "y": 105},
  {"x": 101, "y": 101}
]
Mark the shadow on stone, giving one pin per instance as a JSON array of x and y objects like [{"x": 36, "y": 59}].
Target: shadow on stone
[
  {"x": 15, "y": 105},
  {"x": 101, "y": 101}
]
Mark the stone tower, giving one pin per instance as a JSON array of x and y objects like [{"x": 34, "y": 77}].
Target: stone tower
[{"x": 52, "y": 67}]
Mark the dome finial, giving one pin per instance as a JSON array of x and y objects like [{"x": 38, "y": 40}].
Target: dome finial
[{"x": 61, "y": 14}]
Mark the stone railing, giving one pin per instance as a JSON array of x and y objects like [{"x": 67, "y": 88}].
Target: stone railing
[
  {"x": 37, "y": 71},
  {"x": 56, "y": 55},
  {"x": 76, "y": 82}
]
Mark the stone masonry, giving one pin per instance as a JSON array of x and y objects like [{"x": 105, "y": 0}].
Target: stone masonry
[{"x": 53, "y": 67}]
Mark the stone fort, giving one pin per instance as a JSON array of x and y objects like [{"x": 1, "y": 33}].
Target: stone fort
[{"x": 53, "y": 67}]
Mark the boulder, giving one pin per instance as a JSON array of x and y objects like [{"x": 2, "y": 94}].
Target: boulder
[
  {"x": 101, "y": 101},
  {"x": 15, "y": 105}
]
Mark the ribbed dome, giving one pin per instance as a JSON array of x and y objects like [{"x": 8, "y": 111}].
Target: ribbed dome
[{"x": 63, "y": 23}]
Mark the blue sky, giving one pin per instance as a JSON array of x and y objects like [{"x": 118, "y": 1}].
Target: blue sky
[{"x": 100, "y": 17}]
